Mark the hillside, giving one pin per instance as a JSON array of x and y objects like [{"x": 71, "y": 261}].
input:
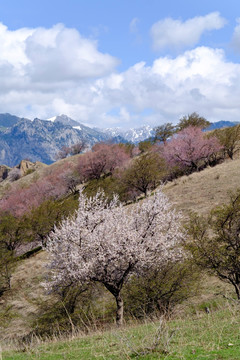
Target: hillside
[
  {"x": 201, "y": 191},
  {"x": 196, "y": 336},
  {"x": 198, "y": 192},
  {"x": 39, "y": 170}
]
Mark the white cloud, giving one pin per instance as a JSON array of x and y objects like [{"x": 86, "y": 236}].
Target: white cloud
[
  {"x": 236, "y": 36},
  {"x": 61, "y": 54},
  {"x": 133, "y": 27},
  {"x": 58, "y": 71},
  {"x": 13, "y": 46},
  {"x": 170, "y": 33},
  {"x": 199, "y": 80},
  {"x": 49, "y": 56}
]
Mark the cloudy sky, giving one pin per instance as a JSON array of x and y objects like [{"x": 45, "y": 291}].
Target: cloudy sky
[{"x": 124, "y": 63}]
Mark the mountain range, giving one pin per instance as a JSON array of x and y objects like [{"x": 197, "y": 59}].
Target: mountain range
[
  {"x": 131, "y": 135},
  {"x": 41, "y": 140}
]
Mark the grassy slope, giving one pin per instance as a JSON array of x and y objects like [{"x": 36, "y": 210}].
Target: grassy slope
[
  {"x": 202, "y": 191},
  {"x": 18, "y": 306},
  {"x": 199, "y": 192},
  {"x": 198, "y": 336}
]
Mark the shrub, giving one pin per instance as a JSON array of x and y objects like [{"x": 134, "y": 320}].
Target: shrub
[
  {"x": 214, "y": 242},
  {"x": 229, "y": 138},
  {"x": 144, "y": 173},
  {"x": 160, "y": 290}
]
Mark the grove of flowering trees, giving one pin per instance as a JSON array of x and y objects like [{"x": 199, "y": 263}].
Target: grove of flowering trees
[
  {"x": 53, "y": 185},
  {"x": 106, "y": 242}
]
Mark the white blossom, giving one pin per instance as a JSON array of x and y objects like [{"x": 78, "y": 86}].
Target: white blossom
[{"x": 107, "y": 242}]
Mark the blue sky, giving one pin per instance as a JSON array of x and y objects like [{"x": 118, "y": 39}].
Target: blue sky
[{"x": 125, "y": 63}]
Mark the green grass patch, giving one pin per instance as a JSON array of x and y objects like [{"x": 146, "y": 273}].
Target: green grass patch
[{"x": 213, "y": 336}]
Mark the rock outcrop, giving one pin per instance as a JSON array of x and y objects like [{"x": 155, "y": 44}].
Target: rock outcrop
[{"x": 4, "y": 170}]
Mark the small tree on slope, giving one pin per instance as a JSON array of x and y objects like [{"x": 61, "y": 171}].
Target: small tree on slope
[
  {"x": 190, "y": 147},
  {"x": 107, "y": 242},
  {"x": 214, "y": 242}
]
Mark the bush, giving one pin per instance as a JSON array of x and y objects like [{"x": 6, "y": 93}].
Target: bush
[
  {"x": 229, "y": 138},
  {"x": 7, "y": 265},
  {"x": 92, "y": 307},
  {"x": 29, "y": 171},
  {"x": 109, "y": 184},
  {"x": 144, "y": 173},
  {"x": 43, "y": 218},
  {"x": 73, "y": 307},
  {"x": 214, "y": 242},
  {"x": 159, "y": 291}
]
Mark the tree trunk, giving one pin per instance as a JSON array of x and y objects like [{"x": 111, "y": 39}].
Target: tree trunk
[
  {"x": 116, "y": 292},
  {"x": 230, "y": 154},
  {"x": 145, "y": 192},
  {"x": 237, "y": 289},
  {"x": 119, "y": 314}
]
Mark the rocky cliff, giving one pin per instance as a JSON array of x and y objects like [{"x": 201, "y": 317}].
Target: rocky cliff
[{"x": 40, "y": 140}]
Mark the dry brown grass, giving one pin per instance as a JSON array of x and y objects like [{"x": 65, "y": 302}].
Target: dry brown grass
[
  {"x": 19, "y": 305},
  {"x": 204, "y": 190}
]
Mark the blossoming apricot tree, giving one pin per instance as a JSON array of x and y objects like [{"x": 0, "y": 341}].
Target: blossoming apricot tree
[{"x": 107, "y": 242}]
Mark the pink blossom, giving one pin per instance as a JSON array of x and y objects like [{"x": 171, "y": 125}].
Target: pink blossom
[{"x": 189, "y": 147}]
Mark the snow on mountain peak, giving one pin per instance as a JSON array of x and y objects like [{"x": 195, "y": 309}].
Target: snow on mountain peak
[
  {"x": 133, "y": 135},
  {"x": 52, "y": 118}
]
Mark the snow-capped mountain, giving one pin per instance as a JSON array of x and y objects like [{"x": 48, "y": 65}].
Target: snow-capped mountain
[
  {"x": 139, "y": 134},
  {"x": 65, "y": 120},
  {"x": 41, "y": 140},
  {"x": 132, "y": 135}
]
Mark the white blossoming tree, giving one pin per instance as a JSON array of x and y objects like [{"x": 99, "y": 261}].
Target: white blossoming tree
[{"x": 108, "y": 242}]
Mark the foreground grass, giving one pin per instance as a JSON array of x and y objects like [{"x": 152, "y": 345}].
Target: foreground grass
[{"x": 211, "y": 336}]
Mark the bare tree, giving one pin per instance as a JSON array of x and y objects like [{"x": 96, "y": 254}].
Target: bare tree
[
  {"x": 63, "y": 152},
  {"x": 74, "y": 149},
  {"x": 105, "y": 242},
  {"x": 78, "y": 148}
]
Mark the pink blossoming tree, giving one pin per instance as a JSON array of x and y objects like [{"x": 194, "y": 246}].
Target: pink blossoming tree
[
  {"x": 190, "y": 147},
  {"x": 103, "y": 159},
  {"x": 107, "y": 243}
]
